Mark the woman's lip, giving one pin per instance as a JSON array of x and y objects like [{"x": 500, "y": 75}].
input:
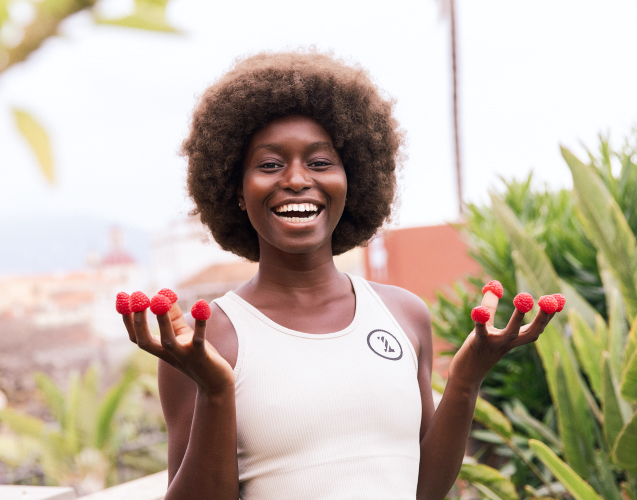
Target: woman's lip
[{"x": 297, "y": 220}]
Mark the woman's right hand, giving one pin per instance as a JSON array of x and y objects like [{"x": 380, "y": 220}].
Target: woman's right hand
[{"x": 185, "y": 349}]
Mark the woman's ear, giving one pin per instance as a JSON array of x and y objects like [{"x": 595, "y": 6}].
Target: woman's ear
[{"x": 242, "y": 201}]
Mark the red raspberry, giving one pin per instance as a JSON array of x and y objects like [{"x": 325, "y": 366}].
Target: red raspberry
[
  {"x": 169, "y": 294},
  {"x": 122, "y": 303},
  {"x": 561, "y": 301},
  {"x": 495, "y": 287},
  {"x": 160, "y": 304},
  {"x": 548, "y": 304},
  {"x": 480, "y": 314},
  {"x": 201, "y": 310},
  {"x": 139, "y": 301},
  {"x": 523, "y": 302}
]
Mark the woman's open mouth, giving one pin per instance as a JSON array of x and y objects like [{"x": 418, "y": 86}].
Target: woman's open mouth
[{"x": 297, "y": 212}]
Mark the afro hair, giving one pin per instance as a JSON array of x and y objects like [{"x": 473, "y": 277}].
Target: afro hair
[{"x": 267, "y": 86}]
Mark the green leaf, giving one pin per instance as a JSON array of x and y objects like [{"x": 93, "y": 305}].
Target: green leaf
[
  {"x": 4, "y": 13},
  {"x": 148, "y": 15},
  {"x": 499, "y": 486},
  {"x": 606, "y": 227},
  {"x": 628, "y": 386},
  {"x": 575, "y": 485},
  {"x": 53, "y": 397},
  {"x": 21, "y": 423},
  {"x": 38, "y": 139},
  {"x": 578, "y": 445},
  {"x": 613, "y": 407},
  {"x": 589, "y": 350},
  {"x": 631, "y": 345},
  {"x": 545, "y": 432},
  {"x": 70, "y": 424},
  {"x": 109, "y": 408},
  {"x": 624, "y": 452}
]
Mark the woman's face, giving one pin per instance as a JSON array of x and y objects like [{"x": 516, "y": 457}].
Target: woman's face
[{"x": 294, "y": 185}]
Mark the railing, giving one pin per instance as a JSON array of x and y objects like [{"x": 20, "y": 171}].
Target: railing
[{"x": 151, "y": 487}]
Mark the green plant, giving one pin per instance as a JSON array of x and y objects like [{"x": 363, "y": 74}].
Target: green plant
[
  {"x": 88, "y": 438},
  {"x": 593, "y": 377}
]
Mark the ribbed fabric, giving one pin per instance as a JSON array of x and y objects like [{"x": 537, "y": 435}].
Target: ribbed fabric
[{"x": 326, "y": 416}]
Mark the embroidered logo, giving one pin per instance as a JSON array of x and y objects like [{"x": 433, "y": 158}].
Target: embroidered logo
[{"x": 385, "y": 345}]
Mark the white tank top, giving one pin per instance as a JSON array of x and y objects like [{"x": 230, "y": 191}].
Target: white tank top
[{"x": 331, "y": 416}]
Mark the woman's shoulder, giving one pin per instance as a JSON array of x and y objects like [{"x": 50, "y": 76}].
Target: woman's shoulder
[{"x": 396, "y": 298}]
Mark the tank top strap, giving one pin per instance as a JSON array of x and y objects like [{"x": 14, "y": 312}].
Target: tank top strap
[{"x": 372, "y": 308}]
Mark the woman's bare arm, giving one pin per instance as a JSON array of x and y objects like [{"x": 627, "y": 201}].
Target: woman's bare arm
[{"x": 207, "y": 467}]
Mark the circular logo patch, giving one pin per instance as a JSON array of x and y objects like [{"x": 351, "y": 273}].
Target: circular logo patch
[{"x": 385, "y": 345}]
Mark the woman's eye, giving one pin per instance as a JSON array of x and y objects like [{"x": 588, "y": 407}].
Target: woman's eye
[
  {"x": 320, "y": 163},
  {"x": 269, "y": 165}
]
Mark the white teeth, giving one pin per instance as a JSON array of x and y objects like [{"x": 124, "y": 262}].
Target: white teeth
[
  {"x": 300, "y": 219},
  {"x": 294, "y": 207}
]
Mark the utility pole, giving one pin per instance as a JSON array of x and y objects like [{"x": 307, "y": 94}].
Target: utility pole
[{"x": 456, "y": 124}]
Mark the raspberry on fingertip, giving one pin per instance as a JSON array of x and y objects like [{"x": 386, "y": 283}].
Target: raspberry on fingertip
[
  {"x": 548, "y": 304},
  {"x": 122, "y": 303},
  {"x": 480, "y": 314},
  {"x": 160, "y": 304},
  {"x": 169, "y": 294},
  {"x": 494, "y": 286},
  {"x": 523, "y": 302},
  {"x": 201, "y": 310},
  {"x": 139, "y": 301},
  {"x": 561, "y": 301}
]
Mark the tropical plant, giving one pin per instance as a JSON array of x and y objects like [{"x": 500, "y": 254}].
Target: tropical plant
[
  {"x": 591, "y": 373},
  {"x": 26, "y": 24},
  {"x": 88, "y": 440},
  {"x": 552, "y": 221}
]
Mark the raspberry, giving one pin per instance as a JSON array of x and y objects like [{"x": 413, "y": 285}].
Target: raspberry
[
  {"x": 169, "y": 294},
  {"x": 138, "y": 301},
  {"x": 160, "y": 304},
  {"x": 561, "y": 301},
  {"x": 480, "y": 314},
  {"x": 122, "y": 303},
  {"x": 548, "y": 304},
  {"x": 495, "y": 287},
  {"x": 523, "y": 302},
  {"x": 200, "y": 310}
]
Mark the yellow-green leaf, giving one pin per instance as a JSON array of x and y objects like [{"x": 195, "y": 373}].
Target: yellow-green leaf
[
  {"x": 21, "y": 423},
  {"x": 606, "y": 226},
  {"x": 499, "y": 487},
  {"x": 38, "y": 139},
  {"x": 614, "y": 411},
  {"x": 625, "y": 450},
  {"x": 148, "y": 15},
  {"x": 575, "y": 485},
  {"x": 628, "y": 388},
  {"x": 589, "y": 349},
  {"x": 577, "y": 440}
]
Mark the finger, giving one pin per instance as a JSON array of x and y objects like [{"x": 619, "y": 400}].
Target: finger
[
  {"x": 130, "y": 328},
  {"x": 180, "y": 326},
  {"x": 530, "y": 333},
  {"x": 167, "y": 334},
  {"x": 144, "y": 339},
  {"x": 490, "y": 301},
  {"x": 512, "y": 329},
  {"x": 199, "y": 338}
]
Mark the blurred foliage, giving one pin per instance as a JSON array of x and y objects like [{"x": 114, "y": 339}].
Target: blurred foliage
[
  {"x": 585, "y": 447},
  {"x": 90, "y": 441},
  {"x": 26, "y": 24}
]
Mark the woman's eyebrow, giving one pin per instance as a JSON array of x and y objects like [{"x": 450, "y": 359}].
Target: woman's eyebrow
[{"x": 310, "y": 147}]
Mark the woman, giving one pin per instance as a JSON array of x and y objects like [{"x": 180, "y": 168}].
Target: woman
[{"x": 306, "y": 383}]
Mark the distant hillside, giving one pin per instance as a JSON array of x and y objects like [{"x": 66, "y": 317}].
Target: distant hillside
[{"x": 45, "y": 244}]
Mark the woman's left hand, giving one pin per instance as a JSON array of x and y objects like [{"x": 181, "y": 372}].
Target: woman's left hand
[{"x": 486, "y": 345}]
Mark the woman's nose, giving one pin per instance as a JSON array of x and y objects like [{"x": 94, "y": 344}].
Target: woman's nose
[{"x": 296, "y": 177}]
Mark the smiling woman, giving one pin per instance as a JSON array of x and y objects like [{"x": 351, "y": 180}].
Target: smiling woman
[{"x": 306, "y": 383}]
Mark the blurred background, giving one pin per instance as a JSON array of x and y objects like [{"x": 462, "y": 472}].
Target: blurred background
[{"x": 95, "y": 99}]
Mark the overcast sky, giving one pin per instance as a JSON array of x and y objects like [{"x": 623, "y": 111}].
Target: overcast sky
[{"x": 117, "y": 102}]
